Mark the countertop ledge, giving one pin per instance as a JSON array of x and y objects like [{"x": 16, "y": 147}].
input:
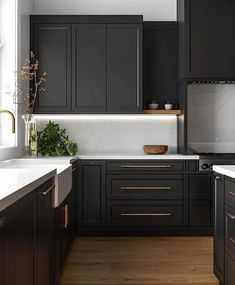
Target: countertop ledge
[
  {"x": 227, "y": 170},
  {"x": 138, "y": 157},
  {"x": 16, "y": 183}
]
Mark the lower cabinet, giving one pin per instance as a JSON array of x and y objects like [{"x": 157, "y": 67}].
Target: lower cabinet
[
  {"x": 26, "y": 239},
  {"x": 219, "y": 226},
  {"x": 17, "y": 243},
  {"x": 167, "y": 197},
  {"x": 200, "y": 202},
  {"x": 229, "y": 270},
  {"x": 91, "y": 194}
]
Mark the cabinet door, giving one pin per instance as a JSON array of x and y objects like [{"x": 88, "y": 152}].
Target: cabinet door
[
  {"x": 17, "y": 243},
  {"x": 67, "y": 223},
  {"x": 90, "y": 196},
  {"x": 219, "y": 227},
  {"x": 89, "y": 44},
  {"x": 124, "y": 68},
  {"x": 160, "y": 62},
  {"x": 43, "y": 232},
  {"x": 200, "y": 187},
  {"x": 52, "y": 47},
  {"x": 211, "y": 41},
  {"x": 229, "y": 270}
]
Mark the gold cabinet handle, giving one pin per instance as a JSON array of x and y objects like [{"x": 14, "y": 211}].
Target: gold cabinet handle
[
  {"x": 146, "y": 188},
  {"x": 74, "y": 169},
  {"x": 217, "y": 177},
  {"x": 232, "y": 240},
  {"x": 232, "y": 193},
  {"x": 48, "y": 190},
  {"x": 66, "y": 216},
  {"x": 146, "y": 214},
  {"x": 146, "y": 166}
]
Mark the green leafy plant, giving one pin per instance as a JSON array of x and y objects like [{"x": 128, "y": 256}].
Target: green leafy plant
[{"x": 53, "y": 141}]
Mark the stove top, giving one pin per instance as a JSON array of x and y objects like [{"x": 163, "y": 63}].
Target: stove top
[{"x": 207, "y": 160}]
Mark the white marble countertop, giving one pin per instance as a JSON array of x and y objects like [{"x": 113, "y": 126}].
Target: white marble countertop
[
  {"x": 227, "y": 170},
  {"x": 137, "y": 156},
  {"x": 16, "y": 183}
]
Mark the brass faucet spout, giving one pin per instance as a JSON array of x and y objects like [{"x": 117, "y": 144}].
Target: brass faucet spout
[{"x": 12, "y": 119}]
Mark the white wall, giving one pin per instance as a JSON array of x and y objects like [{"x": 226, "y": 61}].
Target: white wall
[
  {"x": 118, "y": 134},
  {"x": 25, "y": 8},
  {"x": 153, "y": 10}
]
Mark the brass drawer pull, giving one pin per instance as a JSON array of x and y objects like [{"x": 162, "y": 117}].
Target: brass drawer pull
[
  {"x": 217, "y": 177},
  {"x": 232, "y": 193},
  {"x": 230, "y": 216},
  {"x": 232, "y": 240},
  {"x": 146, "y": 188},
  {"x": 147, "y": 214},
  {"x": 48, "y": 190},
  {"x": 66, "y": 216},
  {"x": 146, "y": 166}
]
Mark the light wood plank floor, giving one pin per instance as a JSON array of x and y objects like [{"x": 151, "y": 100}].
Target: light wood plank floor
[{"x": 139, "y": 261}]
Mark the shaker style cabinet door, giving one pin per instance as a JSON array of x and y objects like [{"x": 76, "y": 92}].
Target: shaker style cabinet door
[
  {"x": 124, "y": 66},
  {"x": 52, "y": 47},
  {"x": 89, "y": 66}
]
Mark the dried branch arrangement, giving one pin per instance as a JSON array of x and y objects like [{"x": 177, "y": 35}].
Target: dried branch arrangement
[{"x": 31, "y": 84}]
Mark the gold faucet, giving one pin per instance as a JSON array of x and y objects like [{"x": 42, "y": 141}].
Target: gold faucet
[{"x": 12, "y": 119}]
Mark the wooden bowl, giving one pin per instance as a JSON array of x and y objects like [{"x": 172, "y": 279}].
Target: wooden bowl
[{"x": 155, "y": 149}]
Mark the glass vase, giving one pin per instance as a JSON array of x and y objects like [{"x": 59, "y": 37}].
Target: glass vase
[{"x": 30, "y": 135}]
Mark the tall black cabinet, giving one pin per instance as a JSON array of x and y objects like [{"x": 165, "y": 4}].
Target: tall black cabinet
[
  {"x": 206, "y": 41},
  {"x": 93, "y": 63}
]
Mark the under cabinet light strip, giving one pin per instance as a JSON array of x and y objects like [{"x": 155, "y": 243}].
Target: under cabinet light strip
[{"x": 105, "y": 117}]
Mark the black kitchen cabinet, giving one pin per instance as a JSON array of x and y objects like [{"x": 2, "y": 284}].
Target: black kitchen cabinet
[
  {"x": 93, "y": 63},
  {"x": 91, "y": 194},
  {"x": 17, "y": 243},
  {"x": 89, "y": 68},
  {"x": 160, "y": 63},
  {"x": 43, "y": 234},
  {"x": 229, "y": 270},
  {"x": 51, "y": 43},
  {"x": 124, "y": 68},
  {"x": 206, "y": 42}
]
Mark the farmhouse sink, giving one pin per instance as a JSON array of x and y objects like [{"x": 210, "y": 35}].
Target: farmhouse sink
[{"x": 63, "y": 177}]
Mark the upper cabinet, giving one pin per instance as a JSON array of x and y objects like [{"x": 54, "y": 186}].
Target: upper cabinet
[
  {"x": 160, "y": 63},
  {"x": 51, "y": 44},
  {"x": 206, "y": 41},
  {"x": 93, "y": 63},
  {"x": 124, "y": 65}
]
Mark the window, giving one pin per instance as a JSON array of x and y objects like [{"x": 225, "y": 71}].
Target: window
[{"x": 8, "y": 66}]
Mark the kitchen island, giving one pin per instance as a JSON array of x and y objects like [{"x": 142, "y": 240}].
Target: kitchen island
[{"x": 224, "y": 223}]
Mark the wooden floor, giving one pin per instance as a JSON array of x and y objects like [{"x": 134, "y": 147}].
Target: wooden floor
[{"x": 139, "y": 261}]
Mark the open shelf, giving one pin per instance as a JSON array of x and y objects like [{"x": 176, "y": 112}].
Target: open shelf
[{"x": 163, "y": 112}]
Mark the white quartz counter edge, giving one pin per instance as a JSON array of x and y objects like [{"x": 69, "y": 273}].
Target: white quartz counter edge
[
  {"x": 227, "y": 170},
  {"x": 138, "y": 157},
  {"x": 16, "y": 183}
]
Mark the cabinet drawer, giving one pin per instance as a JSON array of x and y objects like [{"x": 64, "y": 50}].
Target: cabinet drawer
[
  {"x": 145, "y": 214},
  {"x": 144, "y": 187},
  {"x": 230, "y": 231},
  {"x": 156, "y": 166},
  {"x": 230, "y": 193}
]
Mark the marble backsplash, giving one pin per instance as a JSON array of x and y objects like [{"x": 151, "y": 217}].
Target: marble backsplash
[
  {"x": 211, "y": 117},
  {"x": 117, "y": 134}
]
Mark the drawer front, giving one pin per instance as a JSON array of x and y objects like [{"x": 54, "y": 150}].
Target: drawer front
[
  {"x": 230, "y": 231},
  {"x": 145, "y": 215},
  {"x": 156, "y": 166},
  {"x": 230, "y": 193},
  {"x": 148, "y": 187},
  {"x": 229, "y": 270}
]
